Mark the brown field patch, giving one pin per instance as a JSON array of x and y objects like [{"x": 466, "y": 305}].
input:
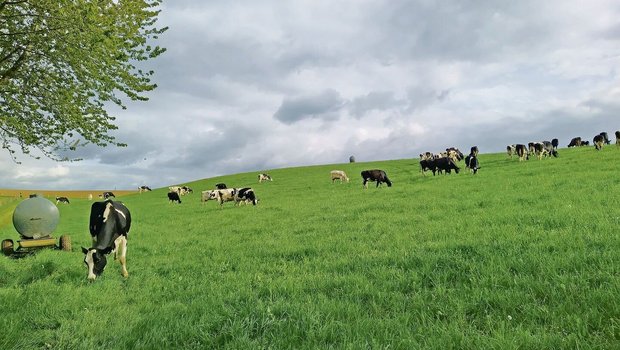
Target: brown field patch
[{"x": 77, "y": 194}]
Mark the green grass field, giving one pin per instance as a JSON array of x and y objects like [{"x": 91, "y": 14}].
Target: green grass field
[{"x": 523, "y": 255}]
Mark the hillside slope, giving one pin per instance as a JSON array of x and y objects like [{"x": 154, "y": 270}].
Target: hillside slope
[{"x": 521, "y": 255}]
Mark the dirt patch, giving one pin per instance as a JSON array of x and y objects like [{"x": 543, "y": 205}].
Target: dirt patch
[{"x": 53, "y": 194}]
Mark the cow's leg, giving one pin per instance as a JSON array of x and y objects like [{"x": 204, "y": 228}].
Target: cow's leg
[
  {"x": 120, "y": 247},
  {"x": 365, "y": 184}
]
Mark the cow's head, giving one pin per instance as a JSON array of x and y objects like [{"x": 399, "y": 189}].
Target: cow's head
[{"x": 95, "y": 261}]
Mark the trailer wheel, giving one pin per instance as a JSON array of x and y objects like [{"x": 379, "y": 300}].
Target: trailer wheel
[
  {"x": 7, "y": 247},
  {"x": 65, "y": 243}
]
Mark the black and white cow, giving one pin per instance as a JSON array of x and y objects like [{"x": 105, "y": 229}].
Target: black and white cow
[
  {"x": 109, "y": 224},
  {"x": 618, "y": 138},
  {"x": 144, "y": 189},
  {"x": 555, "y": 143},
  {"x": 174, "y": 197},
  {"x": 605, "y": 138},
  {"x": 375, "y": 175},
  {"x": 521, "y": 151},
  {"x": 220, "y": 186},
  {"x": 539, "y": 149},
  {"x": 62, "y": 200},
  {"x": 107, "y": 195},
  {"x": 598, "y": 141},
  {"x": 585, "y": 143},
  {"x": 471, "y": 162},
  {"x": 206, "y": 195},
  {"x": 181, "y": 190},
  {"x": 549, "y": 150},
  {"x": 511, "y": 149},
  {"x": 575, "y": 142},
  {"x": 264, "y": 177},
  {"x": 455, "y": 154},
  {"x": 245, "y": 195},
  {"x": 474, "y": 151},
  {"x": 238, "y": 195}
]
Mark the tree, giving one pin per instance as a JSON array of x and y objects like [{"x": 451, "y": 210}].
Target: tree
[{"x": 62, "y": 61}]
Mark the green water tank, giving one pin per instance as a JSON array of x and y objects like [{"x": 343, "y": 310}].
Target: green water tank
[{"x": 35, "y": 217}]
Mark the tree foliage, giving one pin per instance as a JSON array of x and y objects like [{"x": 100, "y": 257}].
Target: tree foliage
[{"x": 63, "y": 61}]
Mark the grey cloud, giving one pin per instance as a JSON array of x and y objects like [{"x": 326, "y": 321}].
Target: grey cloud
[
  {"x": 324, "y": 106},
  {"x": 375, "y": 100}
]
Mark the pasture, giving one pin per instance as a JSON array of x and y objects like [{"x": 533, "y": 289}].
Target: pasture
[{"x": 523, "y": 255}]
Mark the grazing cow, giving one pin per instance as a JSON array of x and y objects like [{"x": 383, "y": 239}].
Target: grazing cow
[
  {"x": 511, "y": 149},
  {"x": 575, "y": 142},
  {"x": 375, "y": 175},
  {"x": 549, "y": 150},
  {"x": 181, "y": 190},
  {"x": 62, "y": 200},
  {"x": 605, "y": 138},
  {"x": 339, "y": 175},
  {"x": 107, "y": 195},
  {"x": 427, "y": 164},
  {"x": 471, "y": 162},
  {"x": 445, "y": 164},
  {"x": 238, "y": 195},
  {"x": 206, "y": 195},
  {"x": 618, "y": 138},
  {"x": 109, "y": 224},
  {"x": 531, "y": 147},
  {"x": 426, "y": 156},
  {"x": 455, "y": 154},
  {"x": 174, "y": 197},
  {"x": 245, "y": 195},
  {"x": 598, "y": 141},
  {"x": 474, "y": 151},
  {"x": 144, "y": 189},
  {"x": 220, "y": 186},
  {"x": 585, "y": 143},
  {"x": 539, "y": 149},
  {"x": 264, "y": 177},
  {"x": 521, "y": 151},
  {"x": 555, "y": 143}
]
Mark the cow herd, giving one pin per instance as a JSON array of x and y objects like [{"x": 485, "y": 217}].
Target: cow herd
[
  {"x": 445, "y": 162},
  {"x": 547, "y": 149},
  {"x": 110, "y": 220}
]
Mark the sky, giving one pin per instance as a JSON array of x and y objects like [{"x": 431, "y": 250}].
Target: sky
[{"x": 249, "y": 86}]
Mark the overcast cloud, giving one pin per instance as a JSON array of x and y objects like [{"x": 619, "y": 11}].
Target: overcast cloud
[{"x": 250, "y": 86}]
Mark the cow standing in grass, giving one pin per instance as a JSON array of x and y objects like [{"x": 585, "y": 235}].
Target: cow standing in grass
[
  {"x": 174, "y": 197},
  {"x": 109, "y": 225},
  {"x": 511, "y": 149},
  {"x": 618, "y": 138},
  {"x": 62, "y": 200},
  {"x": 339, "y": 175},
  {"x": 375, "y": 175},
  {"x": 521, "y": 151},
  {"x": 598, "y": 141},
  {"x": 575, "y": 142},
  {"x": 264, "y": 177}
]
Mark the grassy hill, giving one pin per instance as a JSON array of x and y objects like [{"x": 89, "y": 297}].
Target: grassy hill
[{"x": 521, "y": 255}]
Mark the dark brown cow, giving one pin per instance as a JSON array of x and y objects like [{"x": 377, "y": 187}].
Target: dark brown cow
[{"x": 375, "y": 175}]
